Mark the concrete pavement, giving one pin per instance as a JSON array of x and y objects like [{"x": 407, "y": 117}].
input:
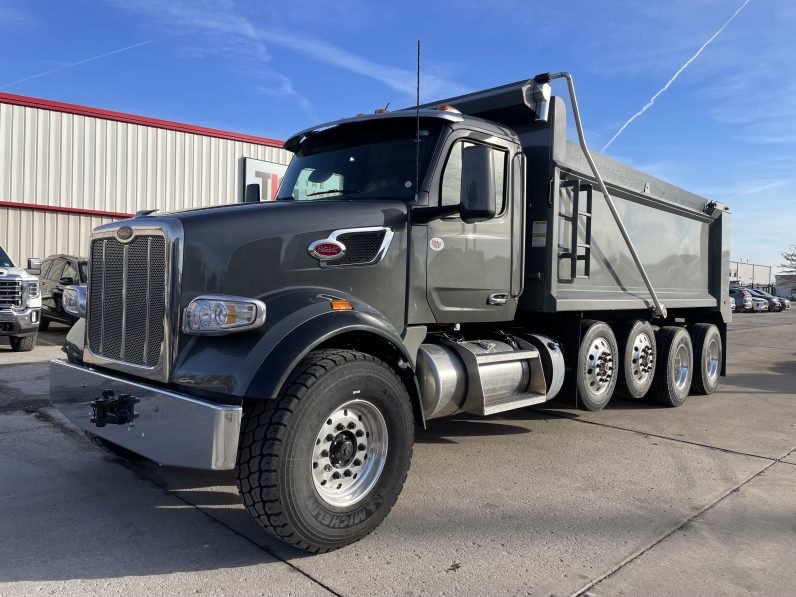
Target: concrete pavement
[{"x": 637, "y": 499}]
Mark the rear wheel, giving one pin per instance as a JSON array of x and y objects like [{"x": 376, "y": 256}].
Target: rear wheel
[
  {"x": 708, "y": 356},
  {"x": 321, "y": 465},
  {"x": 637, "y": 343},
  {"x": 25, "y": 344},
  {"x": 596, "y": 377},
  {"x": 674, "y": 369}
]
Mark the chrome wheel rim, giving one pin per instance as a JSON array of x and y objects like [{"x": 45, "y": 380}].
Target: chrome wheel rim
[
  {"x": 349, "y": 453},
  {"x": 642, "y": 359},
  {"x": 599, "y": 366},
  {"x": 712, "y": 359},
  {"x": 681, "y": 366}
]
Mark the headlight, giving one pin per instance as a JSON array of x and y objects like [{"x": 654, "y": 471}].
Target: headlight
[
  {"x": 74, "y": 300},
  {"x": 30, "y": 290},
  {"x": 216, "y": 315}
]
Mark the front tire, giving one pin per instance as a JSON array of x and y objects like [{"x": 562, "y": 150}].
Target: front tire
[
  {"x": 675, "y": 367},
  {"x": 25, "y": 344},
  {"x": 321, "y": 465}
]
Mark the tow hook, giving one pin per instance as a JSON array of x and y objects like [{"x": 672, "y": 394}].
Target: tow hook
[{"x": 113, "y": 409}]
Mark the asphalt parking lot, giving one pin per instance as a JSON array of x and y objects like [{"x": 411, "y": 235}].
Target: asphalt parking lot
[{"x": 636, "y": 500}]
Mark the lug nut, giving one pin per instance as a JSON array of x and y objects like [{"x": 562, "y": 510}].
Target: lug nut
[
  {"x": 347, "y": 473},
  {"x": 357, "y": 462},
  {"x": 328, "y": 468},
  {"x": 361, "y": 447},
  {"x": 329, "y": 437},
  {"x": 335, "y": 475},
  {"x": 359, "y": 433},
  {"x": 339, "y": 427},
  {"x": 352, "y": 425},
  {"x": 325, "y": 453}
]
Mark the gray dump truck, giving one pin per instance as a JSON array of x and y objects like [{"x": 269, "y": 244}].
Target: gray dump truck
[{"x": 456, "y": 257}]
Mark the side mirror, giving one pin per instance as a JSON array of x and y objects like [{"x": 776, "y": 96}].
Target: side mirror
[
  {"x": 478, "y": 201},
  {"x": 252, "y": 193},
  {"x": 34, "y": 266},
  {"x": 74, "y": 300},
  {"x": 66, "y": 281}
]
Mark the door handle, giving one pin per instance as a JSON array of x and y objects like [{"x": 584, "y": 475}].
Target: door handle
[{"x": 498, "y": 298}]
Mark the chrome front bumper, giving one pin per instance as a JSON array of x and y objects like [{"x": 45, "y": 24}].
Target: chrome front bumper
[{"x": 169, "y": 428}]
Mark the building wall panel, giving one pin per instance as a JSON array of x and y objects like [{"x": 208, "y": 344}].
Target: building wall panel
[{"x": 62, "y": 159}]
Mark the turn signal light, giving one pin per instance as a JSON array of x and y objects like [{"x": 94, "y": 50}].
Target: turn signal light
[
  {"x": 341, "y": 305},
  {"x": 447, "y": 108}
]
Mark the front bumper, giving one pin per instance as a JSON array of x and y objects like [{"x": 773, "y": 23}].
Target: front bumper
[
  {"x": 19, "y": 323},
  {"x": 169, "y": 428}
]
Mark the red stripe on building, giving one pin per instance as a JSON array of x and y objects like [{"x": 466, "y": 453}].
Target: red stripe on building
[
  {"x": 33, "y": 102},
  {"x": 69, "y": 210}
]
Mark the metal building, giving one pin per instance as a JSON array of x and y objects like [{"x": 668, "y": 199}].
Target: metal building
[{"x": 65, "y": 169}]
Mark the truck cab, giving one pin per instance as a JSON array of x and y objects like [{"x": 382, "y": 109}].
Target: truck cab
[{"x": 455, "y": 257}]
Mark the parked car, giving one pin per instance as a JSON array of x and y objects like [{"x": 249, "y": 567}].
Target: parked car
[
  {"x": 785, "y": 302},
  {"x": 732, "y": 304},
  {"x": 57, "y": 273},
  {"x": 759, "y": 304},
  {"x": 743, "y": 299},
  {"x": 773, "y": 302}
]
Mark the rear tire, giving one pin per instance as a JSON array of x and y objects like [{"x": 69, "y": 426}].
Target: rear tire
[
  {"x": 637, "y": 343},
  {"x": 675, "y": 366},
  {"x": 708, "y": 353},
  {"x": 596, "y": 373},
  {"x": 321, "y": 465},
  {"x": 25, "y": 344}
]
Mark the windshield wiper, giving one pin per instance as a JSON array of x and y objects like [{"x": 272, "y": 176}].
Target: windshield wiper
[{"x": 330, "y": 191}]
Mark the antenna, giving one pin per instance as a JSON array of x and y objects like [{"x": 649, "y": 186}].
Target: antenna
[{"x": 417, "y": 128}]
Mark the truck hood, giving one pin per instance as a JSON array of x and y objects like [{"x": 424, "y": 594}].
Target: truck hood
[
  {"x": 15, "y": 272},
  {"x": 253, "y": 250}
]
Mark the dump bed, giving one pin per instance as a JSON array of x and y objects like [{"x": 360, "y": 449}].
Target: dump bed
[{"x": 575, "y": 256}]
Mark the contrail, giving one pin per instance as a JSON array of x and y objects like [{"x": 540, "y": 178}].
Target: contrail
[
  {"x": 79, "y": 62},
  {"x": 648, "y": 105}
]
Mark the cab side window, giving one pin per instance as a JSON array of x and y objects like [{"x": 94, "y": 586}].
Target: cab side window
[
  {"x": 451, "y": 189},
  {"x": 54, "y": 272},
  {"x": 71, "y": 271}
]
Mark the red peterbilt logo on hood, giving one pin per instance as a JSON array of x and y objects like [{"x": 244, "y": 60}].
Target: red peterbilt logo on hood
[{"x": 326, "y": 249}]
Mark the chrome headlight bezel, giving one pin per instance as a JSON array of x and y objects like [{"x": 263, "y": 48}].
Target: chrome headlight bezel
[
  {"x": 218, "y": 315},
  {"x": 74, "y": 300},
  {"x": 30, "y": 291}
]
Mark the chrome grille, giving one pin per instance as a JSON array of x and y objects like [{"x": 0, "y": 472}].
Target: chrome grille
[
  {"x": 126, "y": 302},
  {"x": 10, "y": 293}
]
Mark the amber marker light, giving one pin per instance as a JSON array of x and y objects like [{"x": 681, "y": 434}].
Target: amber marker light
[{"x": 341, "y": 305}]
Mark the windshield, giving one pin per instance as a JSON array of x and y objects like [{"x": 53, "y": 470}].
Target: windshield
[
  {"x": 369, "y": 160},
  {"x": 5, "y": 260}
]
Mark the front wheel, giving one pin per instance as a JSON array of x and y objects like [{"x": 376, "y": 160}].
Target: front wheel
[
  {"x": 24, "y": 344},
  {"x": 321, "y": 465}
]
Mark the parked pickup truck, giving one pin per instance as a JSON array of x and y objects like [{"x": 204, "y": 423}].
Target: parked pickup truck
[
  {"x": 460, "y": 256},
  {"x": 20, "y": 303}
]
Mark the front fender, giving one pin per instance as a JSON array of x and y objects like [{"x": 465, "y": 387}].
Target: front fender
[{"x": 257, "y": 363}]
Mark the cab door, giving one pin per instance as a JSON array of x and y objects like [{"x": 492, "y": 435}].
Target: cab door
[{"x": 469, "y": 266}]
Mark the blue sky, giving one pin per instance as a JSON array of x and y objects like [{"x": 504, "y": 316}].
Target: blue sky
[{"x": 726, "y": 128}]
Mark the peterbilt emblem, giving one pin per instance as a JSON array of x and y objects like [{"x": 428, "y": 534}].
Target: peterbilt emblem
[
  {"x": 124, "y": 233},
  {"x": 326, "y": 249}
]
